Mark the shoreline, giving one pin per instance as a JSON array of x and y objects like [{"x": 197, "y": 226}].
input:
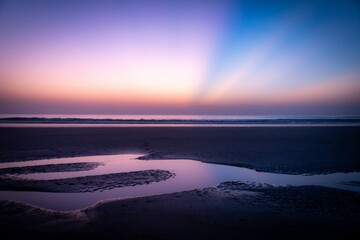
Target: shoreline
[
  {"x": 227, "y": 211},
  {"x": 183, "y": 120}
]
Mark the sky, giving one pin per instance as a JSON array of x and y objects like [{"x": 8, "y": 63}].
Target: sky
[{"x": 180, "y": 57}]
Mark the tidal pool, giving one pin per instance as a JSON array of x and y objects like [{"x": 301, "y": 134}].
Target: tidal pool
[{"x": 190, "y": 175}]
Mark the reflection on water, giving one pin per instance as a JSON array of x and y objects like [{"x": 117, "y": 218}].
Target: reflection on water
[{"x": 190, "y": 175}]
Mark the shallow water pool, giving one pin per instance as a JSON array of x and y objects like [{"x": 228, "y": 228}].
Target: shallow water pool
[{"x": 190, "y": 175}]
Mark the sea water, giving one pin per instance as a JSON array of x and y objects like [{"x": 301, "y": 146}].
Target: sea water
[{"x": 74, "y": 120}]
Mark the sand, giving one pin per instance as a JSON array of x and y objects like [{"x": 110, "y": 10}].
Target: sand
[
  {"x": 272, "y": 149},
  {"x": 85, "y": 184},
  {"x": 48, "y": 168},
  {"x": 232, "y": 210}
]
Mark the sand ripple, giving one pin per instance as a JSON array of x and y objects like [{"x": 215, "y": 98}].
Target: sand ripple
[{"x": 87, "y": 183}]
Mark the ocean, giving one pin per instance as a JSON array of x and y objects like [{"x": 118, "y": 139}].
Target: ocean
[{"x": 66, "y": 120}]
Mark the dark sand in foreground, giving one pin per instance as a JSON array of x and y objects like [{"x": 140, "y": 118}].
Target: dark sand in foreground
[
  {"x": 224, "y": 212},
  {"x": 233, "y": 210}
]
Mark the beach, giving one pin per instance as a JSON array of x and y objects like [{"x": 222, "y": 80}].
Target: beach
[
  {"x": 271, "y": 149},
  {"x": 179, "y": 120},
  {"x": 231, "y": 210}
]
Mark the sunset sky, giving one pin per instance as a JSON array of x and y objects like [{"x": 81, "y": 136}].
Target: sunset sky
[{"x": 180, "y": 57}]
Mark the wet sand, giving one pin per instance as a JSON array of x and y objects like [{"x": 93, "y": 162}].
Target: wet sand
[
  {"x": 63, "y": 167},
  {"x": 271, "y": 149},
  {"x": 232, "y": 210},
  {"x": 85, "y": 184}
]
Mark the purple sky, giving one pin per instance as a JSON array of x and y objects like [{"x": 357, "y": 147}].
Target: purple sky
[{"x": 180, "y": 57}]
